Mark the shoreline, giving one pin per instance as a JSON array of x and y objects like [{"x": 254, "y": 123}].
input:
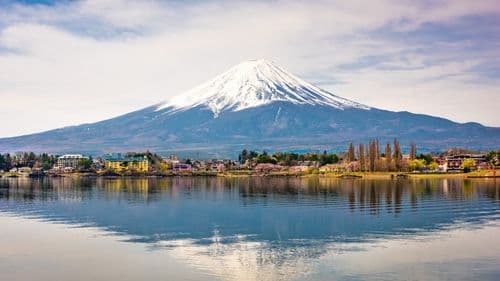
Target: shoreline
[{"x": 245, "y": 174}]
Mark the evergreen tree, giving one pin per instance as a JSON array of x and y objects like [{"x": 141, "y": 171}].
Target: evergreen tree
[
  {"x": 242, "y": 158},
  {"x": 8, "y": 162},
  {"x": 31, "y": 159},
  {"x": 3, "y": 164},
  {"x": 84, "y": 164},
  {"x": 426, "y": 157}
]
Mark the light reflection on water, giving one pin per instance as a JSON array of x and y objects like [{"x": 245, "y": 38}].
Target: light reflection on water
[{"x": 284, "y": 228}]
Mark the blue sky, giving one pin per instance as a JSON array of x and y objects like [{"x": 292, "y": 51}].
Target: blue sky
[{"x": 71, "y": 62}]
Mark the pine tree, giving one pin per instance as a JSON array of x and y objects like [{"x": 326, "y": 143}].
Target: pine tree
[
  {"x": 243, "y": 156},
  {"x": 3, "y": 164},
  {"x": 8, "y": 162}
]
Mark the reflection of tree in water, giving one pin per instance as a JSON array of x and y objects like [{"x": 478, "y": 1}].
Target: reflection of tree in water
[
  {"x": 257, "y": 190},
  {"x": 374, "y": 199},
  {"x": 352, "y": 199},
  {"x": 281, "y": 220},
  {"x": 388, "y": 199}
]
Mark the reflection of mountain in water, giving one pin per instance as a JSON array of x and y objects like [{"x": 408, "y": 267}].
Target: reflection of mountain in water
[{"x": 275, "y": 225}]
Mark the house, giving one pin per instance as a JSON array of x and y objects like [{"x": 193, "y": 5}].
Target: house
[
  {"x": 69, "y": 161},
  {"x": 299, "y": 169},
  {"x": 219, "y": 165},
  {"x": 333, "y": 168},
  {"x": 97, "y": 164},
  {"x": 118, "y": 163},
  {"x": 312, "y": 164},
  {"x": 179, "y": 167},
  {"x": 268, "y": 167},
  {"x": 454, "y": 162},
  {"x": 24, "y": 170},
  {"x": 171, "y": 160},
  {"x": 199, "y": 165}
]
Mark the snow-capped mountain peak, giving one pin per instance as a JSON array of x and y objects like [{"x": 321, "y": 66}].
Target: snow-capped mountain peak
[{"x": 254, "y": 83}]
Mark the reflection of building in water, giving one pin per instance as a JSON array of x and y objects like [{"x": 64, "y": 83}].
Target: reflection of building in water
[
  {"x": 372, "y": 197},
  {"x": 444, "y": 184},
  {"x": 133, "y": 189},
  {"x": 125, "y": 184},
  {"x": 255, "y": 227}
]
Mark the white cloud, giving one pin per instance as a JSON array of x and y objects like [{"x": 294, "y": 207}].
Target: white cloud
[{"x": 79, "y": 62}]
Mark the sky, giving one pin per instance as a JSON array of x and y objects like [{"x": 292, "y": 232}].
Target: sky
[{"x": 65, "y": 63}]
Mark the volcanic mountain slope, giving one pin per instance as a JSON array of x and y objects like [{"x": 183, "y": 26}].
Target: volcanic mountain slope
[
  {"x": 252, "y": 84},
  {"x": 255, "y": 104}
]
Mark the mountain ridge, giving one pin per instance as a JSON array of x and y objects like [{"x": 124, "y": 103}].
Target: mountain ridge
[{"x": 283, "y": 113}]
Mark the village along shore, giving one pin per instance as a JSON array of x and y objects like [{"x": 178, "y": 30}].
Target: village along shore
[{"x": 360, "y": 161}]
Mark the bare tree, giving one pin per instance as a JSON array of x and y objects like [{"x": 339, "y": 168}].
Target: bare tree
[
  {"x": 388, "y": 156},
  {"x": 372, "y": 155},
  {"x": 398, "y": 157},
  {"x": 350, "y": 153},
  {"x": 361, "y": 157},
  {"x": 413, "y": 151}
]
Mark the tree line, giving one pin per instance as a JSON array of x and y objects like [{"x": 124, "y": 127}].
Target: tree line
[
  {"x": 371, "y": 158},
  {"x": 27, "y": 159},
  {"x": 287, "y": 158}
]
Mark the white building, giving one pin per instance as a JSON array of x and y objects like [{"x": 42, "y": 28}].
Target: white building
[{"x": 69, "y": 161}]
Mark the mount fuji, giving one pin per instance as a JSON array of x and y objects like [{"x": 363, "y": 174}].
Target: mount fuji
[
  {"x": 256, "y": 104},
  {"x": 252, "y": 84}
]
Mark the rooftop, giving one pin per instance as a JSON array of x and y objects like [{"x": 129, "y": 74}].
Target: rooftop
[
  {"x": 119, "y": 157},
  {"x": 72, "y": 156}
]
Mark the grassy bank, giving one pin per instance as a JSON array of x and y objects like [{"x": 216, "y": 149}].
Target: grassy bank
[
  {"x": 367, "y": 175},
  {"x": 249, "y": 173}
]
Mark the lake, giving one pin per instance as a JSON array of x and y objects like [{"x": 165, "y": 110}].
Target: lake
[{"x": 258, "y": 228}]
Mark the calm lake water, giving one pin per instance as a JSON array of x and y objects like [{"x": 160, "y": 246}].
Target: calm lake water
[{"x": 249, "y": 229}]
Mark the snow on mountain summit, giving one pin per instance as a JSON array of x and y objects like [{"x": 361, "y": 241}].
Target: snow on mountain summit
[{"x": 251, "y": 84}]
